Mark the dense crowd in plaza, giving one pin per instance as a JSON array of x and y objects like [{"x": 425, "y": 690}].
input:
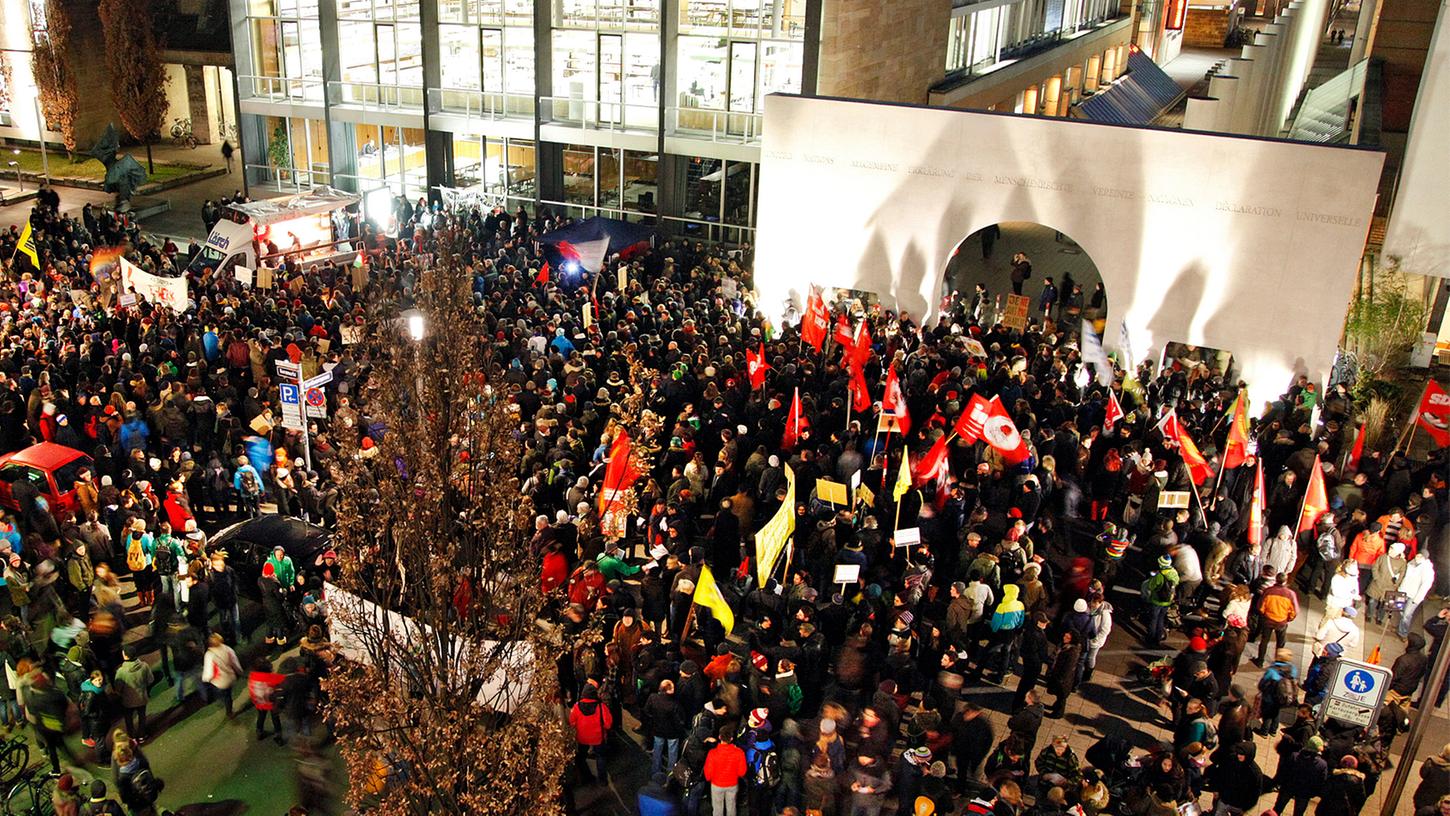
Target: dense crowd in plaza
[{"x": 752, "y": 690}]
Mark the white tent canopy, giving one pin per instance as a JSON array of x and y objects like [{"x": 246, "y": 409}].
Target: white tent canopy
[{"x": 319, "y": 199}]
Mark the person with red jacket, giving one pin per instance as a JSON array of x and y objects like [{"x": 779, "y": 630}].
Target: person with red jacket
[
  {"x": 555, "y": 567},
  {"x": 591, "y": 720},
  {"x": 725, "y": 766},
  {"x": 586, "y": 585},
  {"x": 262, "y": 685}
]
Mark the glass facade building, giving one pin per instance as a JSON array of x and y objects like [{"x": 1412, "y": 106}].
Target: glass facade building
[{"x": 629, "y": 108}]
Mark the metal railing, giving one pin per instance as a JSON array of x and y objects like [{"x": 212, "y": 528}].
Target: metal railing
[
  {"x": 592, "y": 114},
  {"x": 281, "y": 89},
  {"x": 284, "y": 179},
  {"x": 718, "y": 125},
  {"x": 376, "y": 95},
  {"x": 481, "y": 104}
]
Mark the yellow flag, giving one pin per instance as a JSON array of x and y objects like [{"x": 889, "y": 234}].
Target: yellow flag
[
  {"x": 26, "y": 246},
  {"x": 707, "y": 594},
  {"x": 771, "y": 540},
  {"x": 903, "y": 479}
]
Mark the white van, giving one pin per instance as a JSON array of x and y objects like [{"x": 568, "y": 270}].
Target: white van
[{"x": 309, "y": 227}]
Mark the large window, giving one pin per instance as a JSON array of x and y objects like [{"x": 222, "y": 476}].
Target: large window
[
  {"x": 286, "y": 51},
  {"x": 975, "y": 40},
  {"x": 382, "y": 63},
  {"x": 604, "y": 78},
  {"x": 620, "y": 183},
  {"x": 296, "y": 151},
  {"x": 764, "y": 19}
]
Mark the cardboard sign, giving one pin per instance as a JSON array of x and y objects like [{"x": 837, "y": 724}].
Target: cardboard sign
[
  {"x": 261, "y": 423},
  {"x": 264, "y": 277},
  {"x": 324, "y": 345},
  {"x": 846, "y": 574},
  {"x": 623, "y": 281},
  {"x": 129, "y": 299},
  {"x": 359, "y": 277},
  {"x": 588, "y": 315},
  {"x": 350, "y": 334},
  {"x": 831, "y": 492},
  {"x": 1015, "y": 315},
  {"x": 908, "y": 536},
  {"x": 865, "y": 496},
  {"x": 1173, "y": 499},
  {"x": 244, "y": 274},
  {"x": 975, "y": 347}
]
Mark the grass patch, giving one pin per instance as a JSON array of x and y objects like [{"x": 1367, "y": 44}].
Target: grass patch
[{"x": 87, "y": 169}]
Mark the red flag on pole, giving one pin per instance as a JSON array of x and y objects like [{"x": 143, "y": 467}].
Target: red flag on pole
[
  {"x": 813, "y": 325},
  {"x": 1236, "y": 450},
  {"x": 1198, "y": 467},
  {"x": 973, "y": 419},
  {"x": 931, "y": 467},
  {"x": 755, "y": 367},
  {"x": 1357, "y": 451},
  {"x": 1315, "y": 500},
  {"x": 1256, "y": 507},
  {"x": 795, "y": 424},
  {"x": 843, "y": 334},
  {"x": 1001, "y": 433},
  {"x": 1433, "y": 414},
  {"x": 893, "y": 405},
  {"x": 1114, "y": 411},
  {"x": 543, "y": 276},
  {"x": 619, "y": 475},
  {"x": 859, "y": 351},
  {"x": 860, "y": 392}
]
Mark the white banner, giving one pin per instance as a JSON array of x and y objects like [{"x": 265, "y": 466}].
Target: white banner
[{"x": 169, "y": 292}]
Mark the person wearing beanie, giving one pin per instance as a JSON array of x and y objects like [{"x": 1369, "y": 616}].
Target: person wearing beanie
[
  {"x": 1278, "y": 688},
  {"x": 1344, "y": 792},
  {"x": 66, "y": 798},
  {"x": 911, "y": 771},
  {"x": 1303, "y": 779},
  {"x": 1159, "y": 591},
  {"x": 1385, "y": 576},
  {"x": 99, "y": 804}
]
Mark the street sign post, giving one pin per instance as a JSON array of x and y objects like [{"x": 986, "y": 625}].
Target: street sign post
[
  {"x": 1355, "y": 693},
  {"x": 297, "y": 393}
]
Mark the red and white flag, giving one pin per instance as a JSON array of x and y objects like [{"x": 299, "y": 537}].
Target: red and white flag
[
  {"x": 620, "y": 473},
  {"x": 859, "y": 350},
  {"x": 1433, "y": 414},
  {"x": 1357, "y": 451},
  {"x": 973, "y": 419},
  {"x": 755, "y": 367},
  {"x": 1256, "y": 507},
  {"x": 795, "y": 423},
  {"x": 860, "y": 392},
  {"x": 813, "y": 325},
  {"x": 931, "y": 467},
  {"x": 1001, "y": 433},
  {"x": 893, "y": 406},
  {"x": 843, "y": 335},
  {"x": 1113, "y": 413}
]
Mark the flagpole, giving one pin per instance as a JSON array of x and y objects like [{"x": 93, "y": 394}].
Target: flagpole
[{"x": 1414, "y": 421}]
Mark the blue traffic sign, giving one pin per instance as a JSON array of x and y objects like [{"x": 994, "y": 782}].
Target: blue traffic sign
[
  {"x": 288, "y": 393},
  {"x": 1359, "y": 681}
]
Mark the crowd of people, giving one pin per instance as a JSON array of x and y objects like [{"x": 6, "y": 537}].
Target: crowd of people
[{"x": 812, "y": 696}]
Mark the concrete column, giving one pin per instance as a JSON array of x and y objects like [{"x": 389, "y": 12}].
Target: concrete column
[
  {"x": 341, "y": 136},
  {"x": 1110, "y": 60},
  {"x": 1073, "y": 83},
  {"x": 1250, "y": 97},
  {"x": 438, "y": 144},
  {"x": 1369, "y": 12},
  {"x": 196, "y": 103},
  {"x": 1244, "y": 70},
  {"x": 1093, "y": 74},
  {"x": 1200, "y": 113},
  {"x": 1052, "y": 95},
  {"x": 1224, "y": 88}
]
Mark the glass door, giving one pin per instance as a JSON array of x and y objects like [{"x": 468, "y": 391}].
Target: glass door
[
  {"x": 387, "y": 53},
  {"x": 741, "y": 96},
  {"x": 490, "y": 50},
  {"x": 611, "y": 79}
]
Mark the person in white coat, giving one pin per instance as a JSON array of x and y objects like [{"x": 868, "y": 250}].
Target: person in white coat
[
  {"x": 1344, "y": 586},
  {"x": 220, "y": 670},
  {"x": 1280, "y": 552},
  {"x": 1338, "y": 628},
  {"x": 1100, "y": 612},
  {"x": 1419, "y": 578}
]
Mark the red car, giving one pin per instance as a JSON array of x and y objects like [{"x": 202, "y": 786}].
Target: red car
[{"x": 52, "y": 468}]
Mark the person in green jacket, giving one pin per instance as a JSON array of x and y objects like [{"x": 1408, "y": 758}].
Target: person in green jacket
[
  {"x": 134, "y": 680},
  {"x": 1158, "y": 591},
  {"x": 615, "y": 568},
  {"x": 282, "y": 565}
]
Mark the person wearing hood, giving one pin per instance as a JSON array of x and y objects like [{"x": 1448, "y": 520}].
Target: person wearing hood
[
  {"x": 1337, "y": 627},
  {"x": 1280, "y": 552},
  {"x": 1303, "y": 778},
  {"x": 1418, "y": 580},
  {"x": 1410, "y": 668},
  {"x": 1159, "y": 591},
  {"x": 1344, "y": 792},
  {"x": 1385, "y": 576},
  {"x": 1434, "y": 779},
  {"x": 1006, "y": 626},
  {"x": 591, "y": 720},
  {"x": 1236, "y": 780},
  {"x": 1344, "y": 585}
]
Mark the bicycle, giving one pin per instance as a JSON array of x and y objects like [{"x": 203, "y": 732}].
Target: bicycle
[
  {"x": 14, "y": 758},
  {"x": 31, "y": 795},
  {"x": 181, "y": 133}
]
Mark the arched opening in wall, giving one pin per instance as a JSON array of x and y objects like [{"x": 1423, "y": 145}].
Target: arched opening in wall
[
  {"x": 1047, "y": 267},
  {"x": 1198, "y": 362}
]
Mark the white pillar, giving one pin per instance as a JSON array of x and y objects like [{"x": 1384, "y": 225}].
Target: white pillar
[
  {"x": 1093, "y": 74},
  {"x": 1246, "y": 113},
  {"x": 1200, "y": 113},
  {"x": 1224, "y": 88}
]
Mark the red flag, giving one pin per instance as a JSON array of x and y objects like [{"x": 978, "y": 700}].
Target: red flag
[
  {"x": 1433, "y": 414},
  {"x": 1198, "y": 467},
  {"x": 619, "y": 475},
  {"x": 933, "y": 466},
  {"x": 755, "y": 367},
  {"x": 795, "y": 424},
  {"x": 813, "y": 325},
  {"x": 1358, "y": 450},
  {"x": 1315, "y": 500},
  {"x": 860, "y": 392},
  {"x": 543, "y": 276},
  {"x": 973, "y": 419},
  {"x": 1256, "y": 508},
  {"x": 860, "y": 349},
  {"x": 1113, "y": 413},
  {"x": 843, "y": 335},
  {"x": 893, "y": 405},
  {"x": 1001, "y": 433},
  {"x": 1236, "y": 450},
  {"x": 1168, "y": 425}
]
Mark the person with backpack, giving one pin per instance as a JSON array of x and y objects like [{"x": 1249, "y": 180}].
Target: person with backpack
[
  {"x": 762, "y": 756},
  {"x": 136, "y": 784},
  {"x": 247, "y": 483},
  {"x": 263, "y": 685},
  {"x": 1324, "y": 558},
  {"x": 99, "y": 803},
  {"x": 1158, "y": 592},
  {"x": 166, "y": 560},
  {"x": 1278, "y": 689},
  {"x": 134, "y": 679},
  {"x": 139, "y": 546}
]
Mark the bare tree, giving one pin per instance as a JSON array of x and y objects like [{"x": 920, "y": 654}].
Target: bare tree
[
  {"x": 453, "y": 692},
  {"x": 138, "y": 76},
  {"x": 55, "y": 77}
]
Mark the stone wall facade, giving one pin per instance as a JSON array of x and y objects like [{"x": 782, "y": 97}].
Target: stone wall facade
[{"x": 888, "y": 52}]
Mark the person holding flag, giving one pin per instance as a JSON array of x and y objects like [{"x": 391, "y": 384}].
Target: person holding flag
[
  {"x": 708, "y": 595},
  {"x": 796, "y": 424}
]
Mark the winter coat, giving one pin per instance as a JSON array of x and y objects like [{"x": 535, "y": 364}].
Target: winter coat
[
  {"x": 1280, "y": 551},
  {"x": 1062, "y": 677},
  {"x": 1305, "y": 775},
  {"x": 1386, "y": 575},
  {"x": 1344, "y": 793},
  {"x": 1239, "y": 784},
  {"x": 591, "y": 720},
  {"x": 663, "y": 717},
  {"x": 220, "y": 667},
  {"x": 134, "y": 679},
  {"x": 1434, "y": 781},
  {"x": 725, "y": 765}
]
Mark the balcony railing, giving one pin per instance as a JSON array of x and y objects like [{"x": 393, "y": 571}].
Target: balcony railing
[
  {"x": 281, "y": 89},
  {"x": 481, "y": 104},
  {"x": 376, "y": 95},
  {"x": 592, "y": 114},
  {"x": 717, "y": 125}
]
